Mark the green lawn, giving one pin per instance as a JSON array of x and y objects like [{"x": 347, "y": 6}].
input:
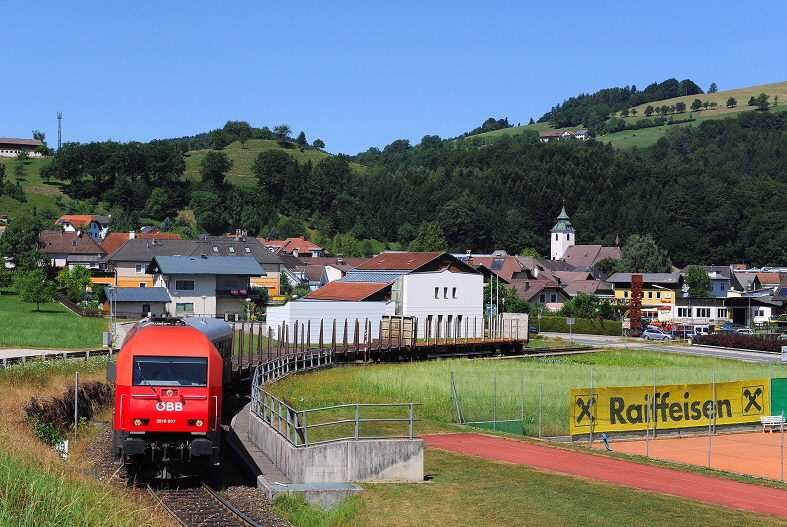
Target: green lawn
[{"x": 54, "y": 327}]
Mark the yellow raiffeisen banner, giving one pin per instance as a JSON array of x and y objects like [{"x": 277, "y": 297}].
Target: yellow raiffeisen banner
[{"x": 618, "y": 408}]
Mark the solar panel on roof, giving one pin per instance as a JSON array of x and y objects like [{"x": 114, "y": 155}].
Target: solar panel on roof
[
  {"x": 782, "y": 291},
  {"x": 497, "y": 264}
]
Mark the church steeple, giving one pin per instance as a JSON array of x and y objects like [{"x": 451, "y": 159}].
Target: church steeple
[{"x": 562, "y": 235}]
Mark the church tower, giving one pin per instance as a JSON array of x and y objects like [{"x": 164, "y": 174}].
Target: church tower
[{"x": 562, "y": 235}]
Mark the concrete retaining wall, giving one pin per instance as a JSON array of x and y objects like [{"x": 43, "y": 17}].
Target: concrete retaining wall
[{"x": 350, "y": 460}]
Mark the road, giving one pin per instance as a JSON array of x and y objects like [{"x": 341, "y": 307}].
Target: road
[{"x": 638, "y": 343}]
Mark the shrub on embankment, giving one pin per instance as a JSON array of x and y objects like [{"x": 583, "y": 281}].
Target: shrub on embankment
[{"x": 589, "y": 326}]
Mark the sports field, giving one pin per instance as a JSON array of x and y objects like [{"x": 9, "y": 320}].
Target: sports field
[{"x": 756, "y": 454}]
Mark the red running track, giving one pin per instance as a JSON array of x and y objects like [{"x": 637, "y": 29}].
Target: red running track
[{"x": 658, "y": 479}]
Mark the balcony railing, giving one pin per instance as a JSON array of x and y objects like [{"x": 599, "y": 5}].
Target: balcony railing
[{"x": 241, "y": 294}]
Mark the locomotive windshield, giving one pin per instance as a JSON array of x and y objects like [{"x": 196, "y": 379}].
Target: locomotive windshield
[{"x": 170, "y": 371}]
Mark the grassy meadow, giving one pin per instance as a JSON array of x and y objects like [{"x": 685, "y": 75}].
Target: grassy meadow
[
  {"x": 37, "y": 488},
  {"x": 429, "y": 384},
  {"x": 54, "y": 327}
]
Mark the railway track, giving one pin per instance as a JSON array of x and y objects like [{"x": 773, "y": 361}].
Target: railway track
[{"x": 201, "y": 506}]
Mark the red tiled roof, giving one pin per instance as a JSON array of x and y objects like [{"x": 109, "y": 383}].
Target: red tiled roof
[
  {"x": 347, "y": 291},
  {"x": 511, "y": 265},
  {"x": 396, "y": 261},
  {"x": 581, "y": 255},
  {"x": 116, "y": 240},
  {"x": 26, "y": 142},
  {"x": 76, "y": 220},
  {"x": 63, "y": 243}
]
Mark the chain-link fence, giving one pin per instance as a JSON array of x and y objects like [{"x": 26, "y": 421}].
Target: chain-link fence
[{"x": 711, "y": 417}]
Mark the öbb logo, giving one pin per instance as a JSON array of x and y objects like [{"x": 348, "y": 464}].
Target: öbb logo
[{"x": 161, "y": 406}]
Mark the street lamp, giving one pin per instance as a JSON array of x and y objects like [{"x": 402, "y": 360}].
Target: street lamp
[{"x": 203, "y": 305}]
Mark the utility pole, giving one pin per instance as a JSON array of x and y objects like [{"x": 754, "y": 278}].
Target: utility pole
[{"x": 59, "y": 119}]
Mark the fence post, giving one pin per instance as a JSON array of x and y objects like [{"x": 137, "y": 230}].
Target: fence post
[
  {"x": 357, "y": 418},
  {"x": 540, "y": 407}
]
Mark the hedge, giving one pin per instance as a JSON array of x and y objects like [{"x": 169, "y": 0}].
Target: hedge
[
  {"x": 588, "y": 326},
  {"x": 727, "y": 340}
]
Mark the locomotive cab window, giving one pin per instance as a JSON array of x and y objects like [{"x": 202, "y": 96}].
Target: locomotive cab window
[{"x": 170, "y": 371}]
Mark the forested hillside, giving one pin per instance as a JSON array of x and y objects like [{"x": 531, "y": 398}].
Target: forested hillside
[{"x": 709, "y": 192}]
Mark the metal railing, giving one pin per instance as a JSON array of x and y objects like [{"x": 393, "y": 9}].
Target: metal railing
[
  {"x": 293, "y": 424},
  {"x": 296, "y": 428}
]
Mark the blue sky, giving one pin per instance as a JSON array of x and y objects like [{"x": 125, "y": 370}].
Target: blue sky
[{"x": 355, "y": 74}]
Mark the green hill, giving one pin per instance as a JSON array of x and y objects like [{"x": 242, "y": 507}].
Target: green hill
[{"x": 648, "y": 136}]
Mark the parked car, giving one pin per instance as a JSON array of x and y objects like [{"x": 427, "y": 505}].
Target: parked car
[
  {"x": 656, "y": 334},
  {"x": 732, "y": 325},
  {"x": 533, "y": 330},
  {"x": 683, "y": 333},
  {"x": 745, "y": 331}
]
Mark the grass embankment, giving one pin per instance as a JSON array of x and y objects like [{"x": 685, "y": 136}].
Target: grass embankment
[
  {"x": 54, "y": 327},
  {"x": 37, "y": 488},
  {"x": 464, "y": 490}
]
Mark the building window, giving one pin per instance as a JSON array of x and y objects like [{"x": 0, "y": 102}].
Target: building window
[
  {"x": 650, "y": 294},
  {"x": 703, "y": 312},
  {"x": 215, "y": 249},
  {"x": 454, "y": 292},
  {"x": 437, "y": 292},
  {"x": 140, "y": 268},
  {"x": 556, "y": 237},
  {"x": 542, "y": 298},
  {"x": 759, "y": 312},
  {"x": 230, "y": 283},
  {"x": 684, "y": 312},
  {"x": 185, "y": 307},
  {"x": 721, "y": 286},
  {"x": 553, "y": 298},
  {"x": 625, "y": 294},
  {"x": 248, "y": 250},
  {"x": 568, "y": 236},
  {"x": 146, "y": 308},
  {"x": 184, "y": 285},
  {"x": 232, "y": 249},
  {"x": 445, "y": 292},
  {"x": 722, "y": 312},
  {"x": 143, "y": 284},
  {"x": 658, "y": 294}
]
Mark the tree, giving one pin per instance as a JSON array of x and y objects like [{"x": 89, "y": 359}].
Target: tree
[
  {"x": 696, "y": 105},
  {"x": 159, "y": 204},
  {"x": 582, "y": 305},
  {"x": 75, "y": 280},
  {"x": 713, "y": 88},
  {"x": 731, "y": 102},
  {"x": 214, "y": 167},
  {"x": 699, "y": 282},
  {"x": 167, "y": 225},
  {"x": 633, "y": 112},
  {"x": 640, "y": 254},
  {"x": 762, "y": 102},
  {"x": 33, "y": 287},
  {"x": 301, "y": 140},
  {"x": 752, "y": 101},
  {"x": 680, "y": 107},
  {"x": 318, "y": 143},
  {"x": 648, "y": 110},
  {"x": 430, "y": 238},
  {"x": 218, "y": 139},
  {"x": 531, "y": 252},
  {"x": 21, "y": 243},
  {"x": 775, "y": 100},
  {"x": 272, "y": 168},
  {"x": 606, "y": 265},
  {"x": 282, "y": 132}
]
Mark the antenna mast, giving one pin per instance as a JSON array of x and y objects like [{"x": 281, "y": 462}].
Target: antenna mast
[{"x": 59, "y": 119}]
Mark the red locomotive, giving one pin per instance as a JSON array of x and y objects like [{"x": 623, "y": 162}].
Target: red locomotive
[{"x": 169, "y": 375}]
